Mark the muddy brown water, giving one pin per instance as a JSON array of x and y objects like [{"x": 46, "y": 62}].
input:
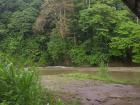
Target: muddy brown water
[
  {"x": 93, "y": 92},
  {"x": 118, "y": 73}
]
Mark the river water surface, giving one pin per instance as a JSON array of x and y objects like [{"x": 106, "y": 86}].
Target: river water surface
[{"x": 118, "y": 73}]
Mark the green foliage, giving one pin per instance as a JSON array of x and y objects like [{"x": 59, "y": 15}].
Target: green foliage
[
  {"x": 56, "y": 47},
  {"x": 19, "y": 86},
  {"x": 103, "y": 71},
  {"x": 78, "y": 55},
  {"x": 96, "y": 59},
  {"x": 127, "y": 41},
  {"x": 11, "y": 44},
  {"x": 21, "y": 21},
  {"x": 78, "y": 33},
  {"x": 97, "y": 23},
  {"x": 3, "y": 103}
]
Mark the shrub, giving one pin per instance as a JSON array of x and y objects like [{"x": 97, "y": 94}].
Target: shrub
[
  {"x": 3, "y": 103},
  {"x": 77, "y": 55},
  {"x": 19, "y": 86}
]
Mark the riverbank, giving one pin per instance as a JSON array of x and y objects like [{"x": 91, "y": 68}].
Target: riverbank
[
  {"x": 86, "y": 87},
  {"x": 61, "y": 68},
  {"x": 92, "y": 92}
]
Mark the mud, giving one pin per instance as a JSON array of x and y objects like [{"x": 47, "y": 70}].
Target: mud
[{"x": 93, "y": 92}]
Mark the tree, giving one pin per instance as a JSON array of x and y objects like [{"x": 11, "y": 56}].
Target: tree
[
  {"x": 127, "y": 41},
  {"x": 57, "y": 47},
  {"x": 97, "y": 25},
  {"x": 21, "y": 21},
  {"x": 77, "y": 31}
]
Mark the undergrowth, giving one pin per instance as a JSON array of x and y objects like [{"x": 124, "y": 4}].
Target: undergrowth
[{"x": 21, "y": 86}]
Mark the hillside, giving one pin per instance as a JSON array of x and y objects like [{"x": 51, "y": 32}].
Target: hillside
[{"x": 67, "y": 32}]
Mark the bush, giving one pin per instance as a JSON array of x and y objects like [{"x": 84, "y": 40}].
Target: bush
[
  {"x": 19, "y": 86},
  {"x": 77, "y": 55},
  {"x": 97, "y": 58},
  {"x": 3, "y": 103},
  {"x": 103, "y": 71}
]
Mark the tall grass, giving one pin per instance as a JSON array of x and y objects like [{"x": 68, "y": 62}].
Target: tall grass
[
  {"x": 18, "y": 86},
  {"x": 21, "y": 86},
  {"x": 103, "y": 71}
]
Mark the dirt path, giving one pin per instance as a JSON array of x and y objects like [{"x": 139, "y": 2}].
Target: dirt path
[{"x": 91, "y": 92}]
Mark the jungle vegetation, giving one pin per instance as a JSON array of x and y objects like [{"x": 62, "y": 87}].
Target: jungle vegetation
[
  {"x": 60, "y": 32},
  {"x": 69, "y": 32}
]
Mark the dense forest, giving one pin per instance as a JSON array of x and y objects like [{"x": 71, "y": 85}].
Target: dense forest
[
  {"x": 69, "y": 32},
  {"x": 37, "y": 34}
]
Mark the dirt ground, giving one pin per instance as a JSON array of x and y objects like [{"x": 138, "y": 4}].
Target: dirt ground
[{"x": 93, "y": 92}]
